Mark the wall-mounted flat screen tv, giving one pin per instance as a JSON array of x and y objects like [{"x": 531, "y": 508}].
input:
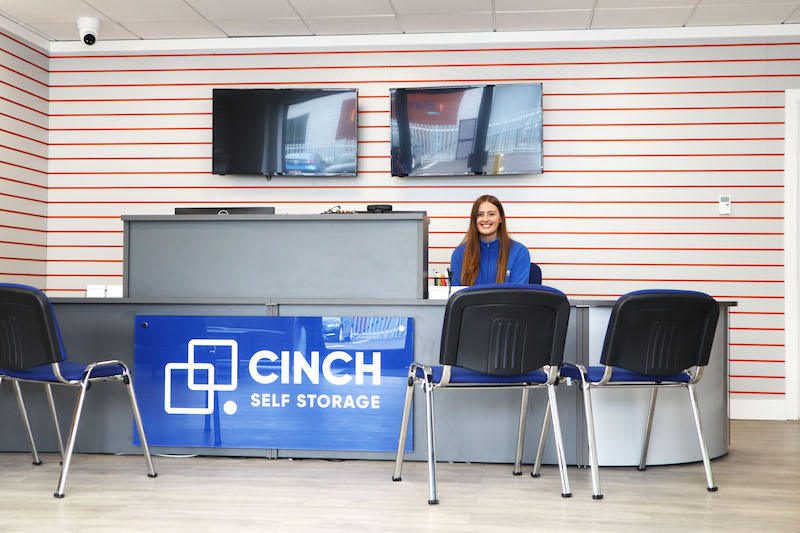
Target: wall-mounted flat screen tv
[
  {"x": 487, "y": 129},
  {"x": 305, "y": 132}
]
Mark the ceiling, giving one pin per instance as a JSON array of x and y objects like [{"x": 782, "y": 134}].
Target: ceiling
[{"x": 54, "y": 20}]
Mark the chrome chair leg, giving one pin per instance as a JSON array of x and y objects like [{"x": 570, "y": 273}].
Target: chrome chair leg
[
  {"x": 49, "y": 390},
  {"x": 401, "y": 443},
  {"x": 431, "y": 442},
  {"x": 597, "y": 493},
  {"x": 523, "y": 415},
  {"x": 703, "y": 448},
  {"x": 62, "y": 481},
  {"x": 138, "y": 417},
  {"x": 562, "y": 462},
  {"x": 24, "y": 413},
  {"x": 648, "y": 428},
  {"x": 537, "y": 465}
]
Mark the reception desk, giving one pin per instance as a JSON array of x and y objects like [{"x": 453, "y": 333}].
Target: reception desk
[{"x": 348, "y": 266}]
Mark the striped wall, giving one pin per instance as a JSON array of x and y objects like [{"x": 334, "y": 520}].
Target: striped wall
[
  {"x": 23, "y": 161},
  {"x": 640, "y": 140}
]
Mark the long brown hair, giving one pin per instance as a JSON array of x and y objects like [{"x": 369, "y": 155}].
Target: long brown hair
[{"x": 472, "y": 240}]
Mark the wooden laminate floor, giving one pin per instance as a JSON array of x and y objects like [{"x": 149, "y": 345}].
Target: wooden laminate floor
[{"x": 759, "y": 490}]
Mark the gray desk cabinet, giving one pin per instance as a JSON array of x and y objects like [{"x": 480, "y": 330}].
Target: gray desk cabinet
[{"x": 276, "y": 256}]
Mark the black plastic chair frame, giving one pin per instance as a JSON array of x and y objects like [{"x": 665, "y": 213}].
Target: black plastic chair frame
[{"x": 428, "y": 386}]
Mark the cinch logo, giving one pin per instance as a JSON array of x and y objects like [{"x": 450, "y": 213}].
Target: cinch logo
[{"x": 192, "y": 367}]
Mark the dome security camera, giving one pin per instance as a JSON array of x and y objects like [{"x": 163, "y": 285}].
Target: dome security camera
[{"x": 89, "y": 28}]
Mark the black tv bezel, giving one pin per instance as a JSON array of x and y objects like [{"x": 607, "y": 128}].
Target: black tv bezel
[
  {"x": 285, "y": 174},
  {"x": 392, "y": 91}
]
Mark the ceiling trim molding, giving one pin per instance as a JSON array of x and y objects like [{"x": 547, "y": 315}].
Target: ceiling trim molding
[{"x": 427, "y": 39}]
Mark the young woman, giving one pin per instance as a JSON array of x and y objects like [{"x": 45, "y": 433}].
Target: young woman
[{"x": 487, "y": 254}]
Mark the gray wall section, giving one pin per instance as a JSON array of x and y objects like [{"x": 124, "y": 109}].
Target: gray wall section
[
  {"x": 471, "y": 426},
  {"x": 276, "y": 256}
]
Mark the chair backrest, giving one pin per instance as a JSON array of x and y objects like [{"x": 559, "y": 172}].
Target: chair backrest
[
  {"x": 660, "y": 332},
  {"x": 505, "y": 329},
  {"x": 535, "y": 276},
  {"x": 29, "y": 334}
]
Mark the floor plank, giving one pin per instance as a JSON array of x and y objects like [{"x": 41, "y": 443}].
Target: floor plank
[{"x": 759, "y": 484}]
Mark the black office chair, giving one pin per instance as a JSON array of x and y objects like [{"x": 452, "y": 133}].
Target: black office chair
[
  {"x": 535, "y": 276},
  {"x": 655, "y": 339},
  {"x": 31, "y": 350},
  {"x": 499, "y": 336}
]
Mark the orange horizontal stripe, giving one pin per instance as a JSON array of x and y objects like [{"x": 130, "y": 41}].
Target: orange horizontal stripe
[
  {"x": 23, "y": 198},
  {"x": 25, "y": 106},
  {"x": 757, "y": 361},
  {"x": 23, "y": 259},
  {"x": 657, "y": 264},
  {"x": 618, "y": 217},
  {"x": 421, "y": 65},
  {"x": 85, "y": 245},
  {"x": 755, "y": 313},
  {"x": 444, "y": 187},
  {"x": 20, "y": 89},
  {"x": 23, "y": 182},
  {"x": 82, "y": 231},
  {"x": 70, "y": 100},
  {"x": 23, "y": 229},
  {"x": 594, "y": 295},
  {"x": 662, "y": 155},
  {"x": 757, "y": 377},
  {"x": 553, "y": 109},
  {"x": 659, "y": 280},
  {"x": 24, "y": 121},
  {"x": 400, "y": 81},
  {"x": 129, "y": 158},
  {"x": 24, "y": 243},
  {"x": 701, "y": 249},
  {"x": 623, "y": 233},
  {"x": 126, "y": 114},
  {"x": 22, "y": 213},
  {"x": 60, "y": 275},
  {"x": 126, "y": 129},
  {"x": 23, "y": 136},
  {"x": 667, "y": 124},
  {"x": 130, "y": 144},
  {"x": 754, "y": 392},
  {"x": 18, "y": 73},
  {"x": 673, "y": 139},
  {"x": 743, "y": 344},
  {"x": 22, "y": 151}
]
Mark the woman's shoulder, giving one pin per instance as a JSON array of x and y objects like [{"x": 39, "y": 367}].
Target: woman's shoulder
[{"x": 518, "y": 248}]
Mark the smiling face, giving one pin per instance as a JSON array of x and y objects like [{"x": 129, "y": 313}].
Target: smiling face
[{"x": 488, "y": 221}]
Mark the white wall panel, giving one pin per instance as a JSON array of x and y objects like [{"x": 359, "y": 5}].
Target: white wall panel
[
  {"x": 641, "y": 138},
  {"x": 23, "y": 162}
]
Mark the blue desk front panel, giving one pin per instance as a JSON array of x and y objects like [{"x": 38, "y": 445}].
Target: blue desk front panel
[{"x": 310, "y": 383}]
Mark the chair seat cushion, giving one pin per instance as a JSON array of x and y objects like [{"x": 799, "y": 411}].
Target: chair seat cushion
[
  {"x": 620, "y": 374},
  {"x": 69, "y": 370},
  {"x": 462, "y": 375}
]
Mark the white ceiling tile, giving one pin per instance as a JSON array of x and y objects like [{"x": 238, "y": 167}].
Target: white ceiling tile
[
  {"x": 794, "y": 19},
  {"x": 341, "y": 8},
  {"x": 446, "y": 22},
  {"x": 68, "y": 31},
  {"x": 542, "y": 5},
  {"x": 627, "y": 4},
  {"x": 720, "y": 15},
  {"x": 659, "y": 17},
  {"x": 174, "y": 30},
  {"x": 353, "y": 25},
  {"x": 243, "y": 9},
  {"x": 55, "y": 11},
  {"x": 411, "y": 7},
  {"x": 263, "y": 27},
  {"x": 575, "y": 19},
  {"x": 145, "y": 10}
]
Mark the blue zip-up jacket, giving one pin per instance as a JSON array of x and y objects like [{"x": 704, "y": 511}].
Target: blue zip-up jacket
[{"x": 518, "y": 269}]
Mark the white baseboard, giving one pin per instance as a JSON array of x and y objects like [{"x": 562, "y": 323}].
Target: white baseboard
[{"x": 758, "y": 409}]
